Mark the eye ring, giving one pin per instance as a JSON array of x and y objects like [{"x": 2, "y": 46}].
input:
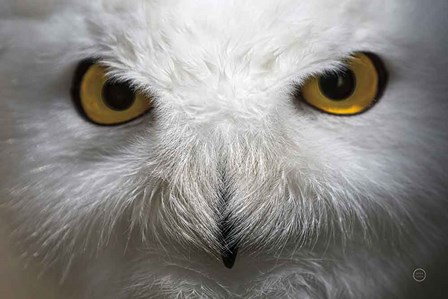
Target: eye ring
[
  {"x": 369, "y": 82},
  {"x": 103, "y": 101}
]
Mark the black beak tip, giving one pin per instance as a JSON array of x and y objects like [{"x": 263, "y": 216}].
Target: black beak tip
[{"x": 229, "y": 258}]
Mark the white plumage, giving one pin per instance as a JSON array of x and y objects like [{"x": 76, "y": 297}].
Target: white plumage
[{"x": 322, "y": 206}]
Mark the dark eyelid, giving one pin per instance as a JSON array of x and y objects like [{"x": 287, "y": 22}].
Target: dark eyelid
[
  {"x": 383, "y": 74},
  {"x": 80, "y": 71}
]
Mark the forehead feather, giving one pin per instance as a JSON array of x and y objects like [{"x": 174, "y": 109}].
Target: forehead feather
[{"x": 171, "y": 44}]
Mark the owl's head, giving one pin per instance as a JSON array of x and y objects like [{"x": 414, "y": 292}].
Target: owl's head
[{"x": 221, "y": 125}]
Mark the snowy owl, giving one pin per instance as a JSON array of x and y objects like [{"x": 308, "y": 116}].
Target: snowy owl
[{"x": 223, "y": 149}]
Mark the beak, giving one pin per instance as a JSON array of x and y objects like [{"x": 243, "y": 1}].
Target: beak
[
  {"x": 229, "y": 252},
  {"x": 229, "y": 256},
  {"x": 229, "y": 247}
]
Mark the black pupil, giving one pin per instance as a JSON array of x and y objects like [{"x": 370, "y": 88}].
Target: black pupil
[
  {"x": 338, "y": 86},
  {"x": 118, "y": 96}
]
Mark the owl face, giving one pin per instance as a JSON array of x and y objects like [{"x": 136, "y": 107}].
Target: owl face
[{"x": 225, "y": 151}]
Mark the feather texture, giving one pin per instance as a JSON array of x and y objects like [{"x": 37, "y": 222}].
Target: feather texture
[{"x": 320, "y": 206}]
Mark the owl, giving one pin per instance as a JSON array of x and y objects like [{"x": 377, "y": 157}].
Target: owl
[{"x": 223, "y": 149}]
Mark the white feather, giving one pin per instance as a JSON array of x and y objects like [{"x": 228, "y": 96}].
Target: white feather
[{"x": 323, "y": 206}]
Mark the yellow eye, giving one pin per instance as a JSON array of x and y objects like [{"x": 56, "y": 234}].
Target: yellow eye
[
  {"x": 104, "y": 101},
  {"x": 350, "y": 91}
]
